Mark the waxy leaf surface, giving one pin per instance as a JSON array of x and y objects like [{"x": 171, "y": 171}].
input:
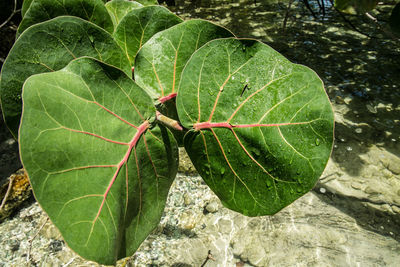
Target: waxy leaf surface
[
  {"x": 160, "y": 61},
  {"x": 394, "y": 20},
  {"x": 119, "y": 8},
  {"x": 148, "y": 2},
  {"x": 50, "y": 46},
  {"x": 90, "y": 10},
  {"x": 355, "y": 6},
  {"x": 140, "y": 25},
  {"x": 96, "y": 168},
  {"x": 263, "y": 127},
  {"x": 25, "y": 6}
]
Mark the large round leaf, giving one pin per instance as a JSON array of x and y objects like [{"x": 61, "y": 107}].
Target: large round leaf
[
  {"x": 148, "y": 2},
  {"x": 263, "y": 127},
  {"x": 27, "y": 3},
  {"x": 394, "y": 20},
  {"x": 140, "y": 24},
  {"x": 25, "y": 6},
  {"x": 119, "y": 8},
  {"x": 95, "y": 166},
  {"x": 355, "y": 6},
  {"x": 42, "y": 10},
  {"x": 160, "y": 61},
  {"x": 50, "y": 46}
]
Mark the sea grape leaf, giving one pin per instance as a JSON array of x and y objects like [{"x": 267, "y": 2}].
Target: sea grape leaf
[
  {"x": 96, "y": 168},
  {"x": 262, "y": 126},
  {"x": 50, "y": 46},
  {"x": 160, "y": 61},
  {"x": 394, "y": 20},
  {"x": 25, "y": 6},
  {"x": 355, "y": 6},
  {"x": 90, "y": 10},
  {"x": 119, "y": 8},
  {"x": 140, "y": 25},
  {"x": 148, "y": 2}
]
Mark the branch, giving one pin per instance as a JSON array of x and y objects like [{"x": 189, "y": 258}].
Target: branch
[
  {"x": 287, "y": 15},
  {"x": 30, "y": 241},
  {"x": 209, "y": 257},
  {"x": 349, "y": 22},
  {"x": 309, "y": 8},
  {"x": 8, "y": 192},
  {"x": 376, "y": 21},
  {"x": 15, "y": 11}
]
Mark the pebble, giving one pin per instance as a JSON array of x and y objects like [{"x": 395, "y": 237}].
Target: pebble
[
  {"x": 56, "y": 245},
  {"x": 212, "y": 207},
  {"x": 187, "y": 199},
  {"x": 371, "y": 109}
]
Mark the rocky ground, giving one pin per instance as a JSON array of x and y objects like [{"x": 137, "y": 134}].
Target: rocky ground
[{"x": 352, "y": 216}]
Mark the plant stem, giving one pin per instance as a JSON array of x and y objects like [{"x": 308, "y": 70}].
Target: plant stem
[
  {"x": 168, "y": 121},
  {"x": 168, "y": 97}
]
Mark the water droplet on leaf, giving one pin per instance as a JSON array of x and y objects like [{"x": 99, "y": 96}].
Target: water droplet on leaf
[
  {"x": 299, "y": 190},
  {"x": 317, "y": 142},
  {"x": 222, "y": 170}
]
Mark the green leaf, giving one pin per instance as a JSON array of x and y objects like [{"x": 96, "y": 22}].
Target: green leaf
[
  {"x": 96, "y": 168},
  {"x": 394, "y": 20},
  {"x": 25, "y": 6},
  {"x": 148, "y": 2},
  {"x": 263, "y": 126},
  {"x": 119, "y": 8},
  {"x": 159, "y": 63},
  {"x": 355, "y": 6},
  {"x": 140, "y": 24},
  {"x": 91, "y": 10},
  {"x": 50, "y": 46}
]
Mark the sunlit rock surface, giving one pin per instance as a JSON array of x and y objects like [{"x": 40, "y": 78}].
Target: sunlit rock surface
[{"x": 320, "y": 229}]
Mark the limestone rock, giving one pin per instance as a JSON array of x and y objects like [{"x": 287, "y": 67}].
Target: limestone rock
[{"x": 212, "y": 206}]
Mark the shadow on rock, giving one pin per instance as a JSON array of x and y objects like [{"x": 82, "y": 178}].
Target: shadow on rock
[{"x": 381, "y": 220}]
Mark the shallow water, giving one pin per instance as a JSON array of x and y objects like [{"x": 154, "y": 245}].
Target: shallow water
[{"x": 351, "y": 218}]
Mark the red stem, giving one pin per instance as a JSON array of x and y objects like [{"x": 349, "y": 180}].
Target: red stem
[{"x": 166, "y": 98}]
